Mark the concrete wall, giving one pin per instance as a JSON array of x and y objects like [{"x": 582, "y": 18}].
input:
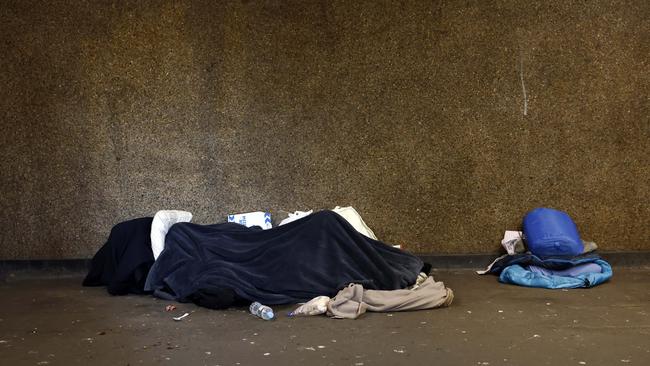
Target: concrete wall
[{"x": 413, "y": 112}]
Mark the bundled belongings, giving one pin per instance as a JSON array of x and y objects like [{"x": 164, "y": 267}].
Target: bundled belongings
[
  {"x": 227, "y": 264},
  {"x": 550, "y": 232},
  {"x": 587, "y": 270},
  {"x": 558, "y": 258}
]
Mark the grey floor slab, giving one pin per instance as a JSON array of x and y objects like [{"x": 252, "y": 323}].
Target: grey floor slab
[{"x": 54, "y": 321}]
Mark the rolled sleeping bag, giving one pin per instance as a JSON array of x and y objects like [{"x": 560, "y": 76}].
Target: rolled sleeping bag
[{"x": 550, "y": 232}]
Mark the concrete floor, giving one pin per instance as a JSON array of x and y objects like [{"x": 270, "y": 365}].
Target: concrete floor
[{"x": 54, "y": 321}]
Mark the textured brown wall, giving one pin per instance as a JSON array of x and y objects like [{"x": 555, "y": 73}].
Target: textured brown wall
[{"x": 410, "y": 111}]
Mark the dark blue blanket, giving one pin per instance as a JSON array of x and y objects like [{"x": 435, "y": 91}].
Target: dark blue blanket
[{"x": 313, "y": 256}]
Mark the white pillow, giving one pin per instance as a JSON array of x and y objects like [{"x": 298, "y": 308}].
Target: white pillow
[{"x": 162, "y": 221}]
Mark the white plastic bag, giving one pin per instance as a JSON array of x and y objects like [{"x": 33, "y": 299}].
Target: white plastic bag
[
  {"x": 512, "y": 242},
  {"x": 315, "y": 306}
]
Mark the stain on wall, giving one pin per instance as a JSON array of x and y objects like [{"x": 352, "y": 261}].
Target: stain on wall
[{"x": 412, "y": 112}]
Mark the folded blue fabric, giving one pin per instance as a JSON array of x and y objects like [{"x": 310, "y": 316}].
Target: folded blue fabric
[
  {"x": 571, "y": 272},
  {"x": 553, "y": 263},
  {"x": 518, "y": 275}
]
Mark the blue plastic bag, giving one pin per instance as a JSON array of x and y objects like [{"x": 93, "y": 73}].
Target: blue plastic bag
[{"x": 550, "y": 232}]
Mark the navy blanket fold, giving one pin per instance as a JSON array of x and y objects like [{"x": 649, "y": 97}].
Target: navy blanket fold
[
  {"x": 313, "y": 256},
  {"x": 554, "y": 263},
  {"x": 123, "y": 263}
]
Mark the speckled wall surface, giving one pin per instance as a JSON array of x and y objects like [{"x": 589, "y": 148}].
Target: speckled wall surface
[{"x": 412, "y": 112}]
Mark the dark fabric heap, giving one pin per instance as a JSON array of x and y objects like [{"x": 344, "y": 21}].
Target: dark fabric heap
[
  {"x": 313, "y": 256},
  {"x": 123, "y": 263}
]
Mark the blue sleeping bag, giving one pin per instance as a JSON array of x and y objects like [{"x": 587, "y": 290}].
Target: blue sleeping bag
[
  {"x": 523, "y": 276},
  {"x": 550, "y": 232}
]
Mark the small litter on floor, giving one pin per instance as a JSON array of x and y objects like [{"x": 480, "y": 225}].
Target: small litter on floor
[
  {"x": 261, "y": 311},
  {"x": 170, "y": 308},
  {"x": 179, "y": 318}
]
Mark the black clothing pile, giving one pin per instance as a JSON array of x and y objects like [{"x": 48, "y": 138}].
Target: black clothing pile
[{"x": 123, "y": 263}]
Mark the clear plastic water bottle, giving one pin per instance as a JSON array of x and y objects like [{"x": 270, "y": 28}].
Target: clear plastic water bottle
[{"x": 261, "y": 311}]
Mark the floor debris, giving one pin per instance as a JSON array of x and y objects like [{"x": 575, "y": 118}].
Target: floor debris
[{"x": 179, "y": 318}]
